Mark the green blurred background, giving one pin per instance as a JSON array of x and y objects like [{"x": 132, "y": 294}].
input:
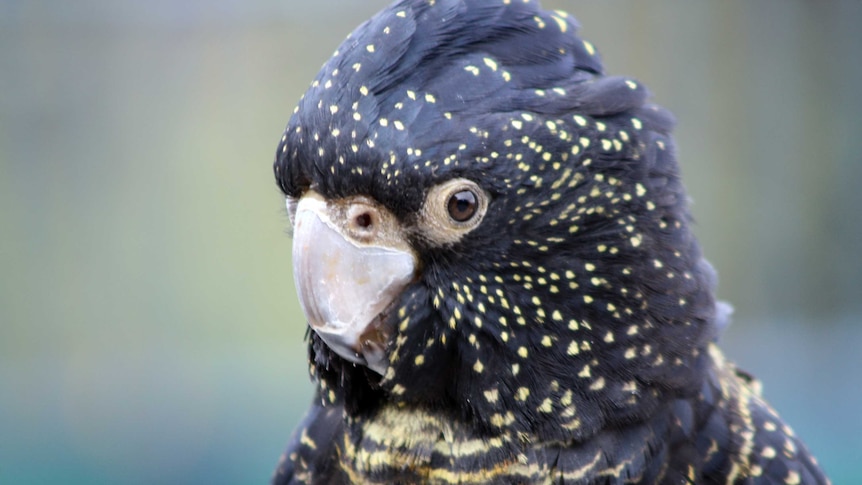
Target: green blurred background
[{"x": 149, "y": 330}]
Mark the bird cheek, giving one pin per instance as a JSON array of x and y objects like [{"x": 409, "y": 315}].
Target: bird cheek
[{"x": 348, "y": 269}]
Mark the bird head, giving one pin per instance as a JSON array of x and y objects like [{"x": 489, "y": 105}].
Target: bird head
[{"x": 487, "y": 225}]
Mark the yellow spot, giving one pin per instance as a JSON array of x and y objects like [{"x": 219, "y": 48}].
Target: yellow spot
[
  {"x": 792, "y": 478},
  {"x": 398, "y": 125},
  {"x": 588, "y": 299},
  {"x": 478, "y": 367},
  {"x": 589, "y": 47},
  {"x": 560, "y": 23},
  {"x": 547, "y": 406},
  {"x": 590, "y": 267},
  {"x": 557, "y": 315},
  {"x": 490, "y": 63},
  {"x": 637, "y": 123},
  {"x": 306, "y": 440},
  {"x": 573, "y": 348},
  {"x": 491, "y": 395},
  {"x": 630, "y": 353},
  {"x": 522, "y": 394},
  {"x": 609, "y": 337},
  {"x": 585, "y": 372},
  {"x": 497, "y": 420},
  {"x": 539, "y": 22},
  {"x": 419, "y": 360},
  {"x": 546, "y": 341},
  {"x": 631, "y": 84},
  {"x": 429, "y": 98},
  {"x": 598, "y": 384},
  {"x": 370, "y": 47},
  {"x": 472, "y": 69},
  {"x": 522, "y": 351}
]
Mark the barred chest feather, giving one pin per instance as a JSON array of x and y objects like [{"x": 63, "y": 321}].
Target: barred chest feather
[{"x": 725, "y": 433}]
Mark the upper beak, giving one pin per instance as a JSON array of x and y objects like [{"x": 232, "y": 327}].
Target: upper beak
[{"x": 350, "y": 262}]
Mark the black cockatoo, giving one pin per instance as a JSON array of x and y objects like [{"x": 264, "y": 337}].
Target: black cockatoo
[{"x": 492, "y": 249}]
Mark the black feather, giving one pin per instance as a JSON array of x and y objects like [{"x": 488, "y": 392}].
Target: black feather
[{"x": 571, "y": 335}]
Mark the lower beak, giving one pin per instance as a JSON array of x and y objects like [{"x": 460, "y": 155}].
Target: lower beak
[{"x": 346, "y": 280}]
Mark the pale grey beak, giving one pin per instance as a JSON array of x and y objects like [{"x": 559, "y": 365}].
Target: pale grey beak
[{"x": 349, "y": 264}]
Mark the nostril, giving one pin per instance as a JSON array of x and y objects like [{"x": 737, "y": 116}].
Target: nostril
[{"x": 363, "y": 220}]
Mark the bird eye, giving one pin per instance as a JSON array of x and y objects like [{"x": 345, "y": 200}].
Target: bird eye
[
  {"x": 462, "y": 205},
  {"x": 452, "y": 209}
]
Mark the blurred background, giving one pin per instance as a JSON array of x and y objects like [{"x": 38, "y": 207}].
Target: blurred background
[{"x": 149, "y": 330}]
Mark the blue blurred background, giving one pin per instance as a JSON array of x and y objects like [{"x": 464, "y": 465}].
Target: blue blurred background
[{"x": 149, "y": 330}]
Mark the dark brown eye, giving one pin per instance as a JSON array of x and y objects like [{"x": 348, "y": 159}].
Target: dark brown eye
[
  {"x": 462, "y": 205},
  {"x": 452, "y": 209}
]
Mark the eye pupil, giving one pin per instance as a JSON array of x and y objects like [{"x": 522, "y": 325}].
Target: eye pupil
[{"x": 462, "y": 205}]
